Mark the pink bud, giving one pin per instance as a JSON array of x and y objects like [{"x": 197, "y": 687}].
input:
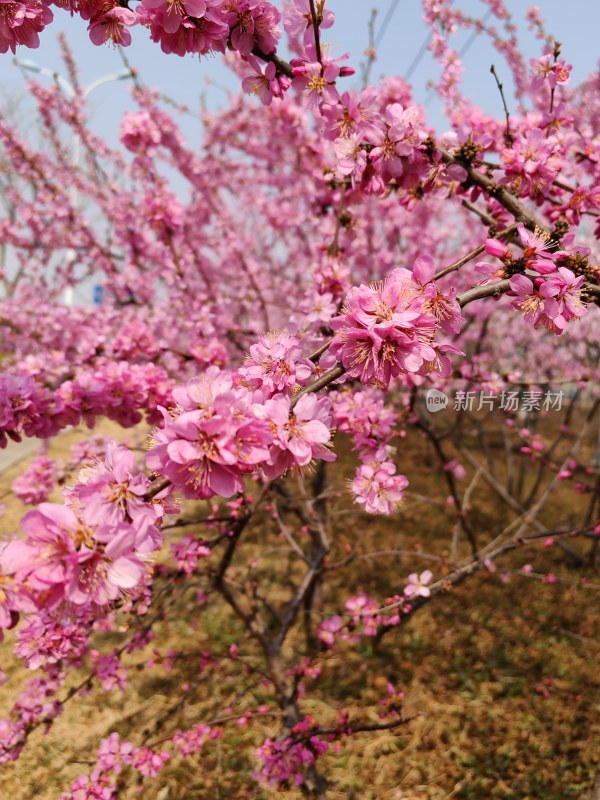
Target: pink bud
[{"x": 496, "y": 248}]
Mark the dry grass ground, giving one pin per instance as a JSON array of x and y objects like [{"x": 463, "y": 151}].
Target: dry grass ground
[{"x": 471, "y": 664}]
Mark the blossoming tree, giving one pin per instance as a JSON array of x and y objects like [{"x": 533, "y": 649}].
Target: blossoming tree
[{"x": 332, "y": 264}]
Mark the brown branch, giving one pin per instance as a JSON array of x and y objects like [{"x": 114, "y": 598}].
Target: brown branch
[
  {"x": 479, "y": 292},
  {"x": 328, "y": 377},
  {"x": 282, "y": 67},
  {"x": 508, "y": 137},
  {"x": 315, "y": 23},
  {"x": 495, "y": 190}
]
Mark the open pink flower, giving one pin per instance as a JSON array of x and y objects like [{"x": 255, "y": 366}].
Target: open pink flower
[
  {"x": 100, "y": 576},
  {"x": 21, "y": 22},
  {"x": 300, "y": 435},
  {"x": 207, "y": 449},
  {"x": 417, "y": 584},
  {"x": 537, "y": 308},
  {"x": 112, "y": 491},
  {"x": 388, "y": 329},
  {"x": 377, "y": 488},
  {"x": 565, "y": 289},
  {"x": 316, "y": 82},
  {"x": 112, "y": 25},
  {"x": 275, "y": 364}
]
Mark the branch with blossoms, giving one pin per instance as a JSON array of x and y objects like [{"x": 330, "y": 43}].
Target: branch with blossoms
[{"x": 323, "y": 215}]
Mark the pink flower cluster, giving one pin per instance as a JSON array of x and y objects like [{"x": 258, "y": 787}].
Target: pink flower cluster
[
  {"x": 377, "y": 488},
  {"x": 117, "y": 390},
  {"x": 547, "y": 294},
  {"x": 139, "y": 133},
  {"x": 549, "y": 71},
  {"x": 531, "y": 163},
  {"x": 283, "y": 763},
  {"x": 275, "y": 365},
  {"x": 298, "y": 20},
  {"x": 187, "y": 553},
  {"x": 265, "y": 85},
  {"x": 365, "y": 417},
  {"x": 34, "y": 485},
  {"x": 109, "y": 23},
  {"x": 366, "y": 616},
  {"x": 21, "y": 22},
  {"x": 113, "y": 756},
  {"x": 388, "y": 329},
  {"x": 36, "y": 704},
  {"x": 45, "y": 639},
  {"x": 221, "y": 432},
  {"x": 90, "y": 551},
  {"x": 204, "y": 26}
]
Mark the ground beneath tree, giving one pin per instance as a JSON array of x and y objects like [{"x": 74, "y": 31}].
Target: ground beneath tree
[{"x": 500, "y": 677}]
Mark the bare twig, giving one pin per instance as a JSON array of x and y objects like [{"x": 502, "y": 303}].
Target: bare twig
[{"x": 508, "y": 137}]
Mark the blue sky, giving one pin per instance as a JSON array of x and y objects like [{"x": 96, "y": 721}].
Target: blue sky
[{"x": 575, "y": 24}]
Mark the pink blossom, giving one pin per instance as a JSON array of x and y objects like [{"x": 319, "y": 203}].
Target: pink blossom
[
  {"x": 191, "y": 740},
  {"x": 100, "y": 576},
  {"x": 456, "y": 468},
  {"x": 12, "y": 740},
  {"x": 264, "y": 85},
  {"x": 417, "y": 584},
  {"x": 149, "y": 762},
  {"x": 351, "y": 158},
  {"x": 494, "y": 247},
  {"x": 44, "y": 640},
  {"x": 21, "y": 22},
  {"x": 388, "y": 329},
  {"x": 364, "y": 613},
  {"x": 282, "y": 762},
  {"x": 365, "y": 417},
  {"x": 275, "y": 365},
  {"x": 329, "y": 629},
  {"x": 377, "y": 488},
  {"x": 253, "y": 23},
  {"x": 537, "y": 309},
  {"x": 14, "y": 596},
  {"x": 537, "y": 252},
  {"x": 297, "y": 20},
  {"x": 565, "y": 289},
  {"x": 34, "y": 485},
  {"x": 530, "y": 163},
  {"x": 109, "y": 670},
  {"x": 112, "y": 24},
  {"x": 112, "y": 491},
  {"x": 299, "y": 435},
  {"x": 63, "y": 557},
  {"x": 549, "y": 70},
  {"x": 180, "y": 31},
  {"x": 207, "y": 451},
  {"x": 114, "y": 754},
  {"x": 396, "y": 143},
  {"x": 139, "y": 132},
  {"x": 316, "y": 81},
  {"x": 188, "y": 552}
]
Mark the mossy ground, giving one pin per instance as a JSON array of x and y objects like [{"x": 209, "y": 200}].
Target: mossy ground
[{"x": 472, "y": 664}]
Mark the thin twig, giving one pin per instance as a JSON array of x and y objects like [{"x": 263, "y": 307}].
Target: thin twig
[{"x": 508, "y": 137}]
